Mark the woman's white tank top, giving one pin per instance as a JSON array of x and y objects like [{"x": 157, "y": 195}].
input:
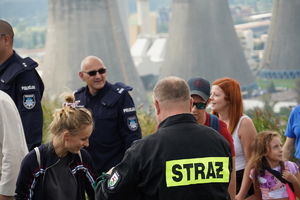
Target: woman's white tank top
[{"x": 240, "y": 161}]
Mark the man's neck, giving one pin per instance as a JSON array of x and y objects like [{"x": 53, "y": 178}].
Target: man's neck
[{"x": 202, "y": 120}]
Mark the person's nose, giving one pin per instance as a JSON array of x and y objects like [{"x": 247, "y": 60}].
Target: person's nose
[
  {"x": 98, "y": 75},
  {"x": 86, "y": 143},
  {"x": 194, "y": 108}
]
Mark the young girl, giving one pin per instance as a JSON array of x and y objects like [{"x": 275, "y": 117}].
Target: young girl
[
  {"x": 61, "y": 169},
  {"x": 267, "y": 154}
]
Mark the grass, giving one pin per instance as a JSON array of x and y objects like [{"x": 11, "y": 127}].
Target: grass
[
  {"x": 282, "y": 83},
  {"x": 48, "y": 107}
]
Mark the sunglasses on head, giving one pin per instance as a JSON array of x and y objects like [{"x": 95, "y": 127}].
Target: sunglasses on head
[
  {"x": 200, "y": 106},
  {"x": 94, "y": 72}
]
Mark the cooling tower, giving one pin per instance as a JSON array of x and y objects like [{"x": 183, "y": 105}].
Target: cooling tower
[
  {"x": 202, "y": 41},
  {"x": 281, "y": 54},
  {"x": 123, "y": 11},
  {"x": 78, "y": 28}
]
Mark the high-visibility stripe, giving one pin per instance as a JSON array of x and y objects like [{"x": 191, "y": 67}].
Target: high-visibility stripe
[{"x": 197, "y": 171}]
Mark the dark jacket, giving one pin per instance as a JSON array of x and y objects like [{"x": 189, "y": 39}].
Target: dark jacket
[
  {"x": 182, "y": 160},
  {"x": 20, "y": 80},
  {"x": 116, "y": 123},
  {"x": 31, "y": 176}
]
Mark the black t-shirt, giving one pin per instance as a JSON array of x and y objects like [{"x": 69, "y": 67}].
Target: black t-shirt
[{"x": 60, "y": 183}]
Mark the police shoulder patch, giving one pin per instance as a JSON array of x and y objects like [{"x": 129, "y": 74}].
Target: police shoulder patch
[
  {"x": 113, "y": 181},
  {"x": 29, "y": 101},
  {"x": 132, "y": 123}
]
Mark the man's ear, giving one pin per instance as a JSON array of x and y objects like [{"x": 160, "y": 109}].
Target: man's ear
[
  {"x": 191, "y": 104},
  {"x": 157, "y": 107},
  {"x": 81, "y": 75}
]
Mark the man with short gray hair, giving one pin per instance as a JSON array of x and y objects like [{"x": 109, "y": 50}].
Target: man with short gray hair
[{"x": 182, "y": 160}]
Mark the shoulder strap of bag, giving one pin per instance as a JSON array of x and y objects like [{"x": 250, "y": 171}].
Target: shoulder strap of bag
[
  {"x": 278, "y": 176},
  {"x": 214, "y": 122},
  {"x": 38, "y": 155},
  {"x": 80, "y": 156}
]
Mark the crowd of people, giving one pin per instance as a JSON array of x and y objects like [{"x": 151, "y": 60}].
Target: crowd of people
[{"x": 95, "y": 148}]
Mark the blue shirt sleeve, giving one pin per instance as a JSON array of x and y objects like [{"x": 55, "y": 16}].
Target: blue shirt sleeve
[{"x": 293, "y": 126}]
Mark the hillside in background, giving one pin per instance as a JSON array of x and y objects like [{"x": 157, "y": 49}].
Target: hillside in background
[
  {"x": 29, "y": 17},
  {"x": 32, "y": 12}
]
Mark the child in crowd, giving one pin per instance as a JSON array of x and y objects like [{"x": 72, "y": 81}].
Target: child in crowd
[
  {"x": 268, "y": 172},
  {"x": 61, "y": 169}
]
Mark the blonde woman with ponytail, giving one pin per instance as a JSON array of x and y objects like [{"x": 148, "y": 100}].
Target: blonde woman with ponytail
[{"x": 61, "y": 168}]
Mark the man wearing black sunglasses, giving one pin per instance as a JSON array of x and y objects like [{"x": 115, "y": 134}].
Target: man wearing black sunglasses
[
  {"x": 20, "y": 80},
  {"x": 200, "y": 92},
  {"x": 114, "y": 113}
]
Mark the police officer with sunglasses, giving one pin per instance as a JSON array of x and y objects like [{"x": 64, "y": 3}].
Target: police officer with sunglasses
[
  {"x": 114, "y": 113},
  {"x": 200, "y": 92}
]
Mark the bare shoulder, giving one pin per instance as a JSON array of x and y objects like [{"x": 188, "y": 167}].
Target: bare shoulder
[
  {"x": 246, "y": 121},
  {"x": 247, "y": 128}
]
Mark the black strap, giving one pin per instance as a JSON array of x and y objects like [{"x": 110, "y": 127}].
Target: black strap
[{"x": 278, "y": 176}]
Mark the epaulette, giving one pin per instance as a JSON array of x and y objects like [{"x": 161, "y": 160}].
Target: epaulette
[
  {"x": 120, "y": 85},
  {"x": 114, "y": 94},
  {"x": 27, "y": 63},
  {"x": 17, "y": 67},
  {"x": 79, "y": 90}
]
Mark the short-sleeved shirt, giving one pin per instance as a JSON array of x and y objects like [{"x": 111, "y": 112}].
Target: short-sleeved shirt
[
  {"x": 223, "y": 131},
  {"x": 293, "y": 129},
  {"x": 270, "y": 186}
]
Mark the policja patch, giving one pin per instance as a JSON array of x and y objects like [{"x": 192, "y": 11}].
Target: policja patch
[
  {"x": 113, "y": 181},
  {"x": 29, "y": 101},
  {"x": 132, "y": 123}
]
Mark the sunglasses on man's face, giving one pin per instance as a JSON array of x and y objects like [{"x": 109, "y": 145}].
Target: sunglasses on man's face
[
  {"x": 94, "y": 72},
  {"x": 200, "y": 106}
]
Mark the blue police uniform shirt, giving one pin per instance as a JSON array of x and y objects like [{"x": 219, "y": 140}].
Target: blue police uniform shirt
[
  {"x": 20, "y": 80},
  {"x": 116, "y": 123}
]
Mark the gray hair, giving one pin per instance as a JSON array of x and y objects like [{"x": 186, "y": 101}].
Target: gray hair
[{"x": 173, "y": 89}]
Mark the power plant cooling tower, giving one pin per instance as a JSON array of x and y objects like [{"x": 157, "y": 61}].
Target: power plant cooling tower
[
  {"x": 79, "y": 28},
  {"x": 202, "y": 42},
  {"x": 281, "y": 54}
]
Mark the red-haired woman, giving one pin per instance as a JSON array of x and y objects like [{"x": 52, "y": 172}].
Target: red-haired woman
[{"x": 227, "y": 104}]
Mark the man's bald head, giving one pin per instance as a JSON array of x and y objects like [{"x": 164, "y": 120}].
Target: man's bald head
[
  {"x": 6, "y": 29},
  {"x": 88, "y": 60}
]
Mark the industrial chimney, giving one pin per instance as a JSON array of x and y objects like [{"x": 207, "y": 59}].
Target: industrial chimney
[
  {"x": 202, "y": 41},
  {"x": 143, "y": 16},
  {"x": 123, "y": 11},
  {"x": 79, "y": 28},
  {"x": 281, "y": 54}
]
